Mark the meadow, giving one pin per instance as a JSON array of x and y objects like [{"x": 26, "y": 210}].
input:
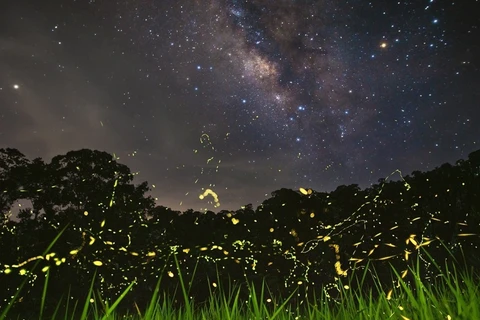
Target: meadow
[
  {"x": 455, "y": 294},
  {"x": 95, "y": 246}
]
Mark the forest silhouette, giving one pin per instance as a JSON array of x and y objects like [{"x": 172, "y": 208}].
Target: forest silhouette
[{"x": 300, "y": 241}]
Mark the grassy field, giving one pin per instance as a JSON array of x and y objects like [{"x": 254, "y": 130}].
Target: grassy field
[{"x": 454, "y": 295}]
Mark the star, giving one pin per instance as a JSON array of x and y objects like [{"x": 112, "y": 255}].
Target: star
[{"x": 278, "y": 78}]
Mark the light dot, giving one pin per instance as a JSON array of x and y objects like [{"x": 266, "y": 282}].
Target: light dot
[{"x": 16, "y": 86}]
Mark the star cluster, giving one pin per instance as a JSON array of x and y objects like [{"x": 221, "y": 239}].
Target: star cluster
[{"x": 243, "y": 96}]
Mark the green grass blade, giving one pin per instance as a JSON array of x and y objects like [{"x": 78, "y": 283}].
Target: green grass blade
[
  {"x": 44, "y": 294},
  {"x": 117, "y": 302}
]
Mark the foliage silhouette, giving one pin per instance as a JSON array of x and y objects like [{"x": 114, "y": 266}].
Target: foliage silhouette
[{"x": 296, "y": 240}]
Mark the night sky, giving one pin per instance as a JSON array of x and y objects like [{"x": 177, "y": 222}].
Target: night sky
[{"x": 243, "y": 97}]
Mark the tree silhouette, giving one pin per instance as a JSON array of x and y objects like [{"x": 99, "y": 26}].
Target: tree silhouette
[{"x": 295, "y": 240}]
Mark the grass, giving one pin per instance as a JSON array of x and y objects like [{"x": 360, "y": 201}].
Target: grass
[{"x": 454, "y": 295}]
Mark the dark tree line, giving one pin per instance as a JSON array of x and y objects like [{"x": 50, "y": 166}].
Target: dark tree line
[{"x": 296, "y": 240}]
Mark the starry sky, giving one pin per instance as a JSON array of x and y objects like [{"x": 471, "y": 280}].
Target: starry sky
[{"x": 243, "y": 97}]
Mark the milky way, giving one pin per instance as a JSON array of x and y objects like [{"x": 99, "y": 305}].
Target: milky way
[{"x": 289, "y": 93}]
